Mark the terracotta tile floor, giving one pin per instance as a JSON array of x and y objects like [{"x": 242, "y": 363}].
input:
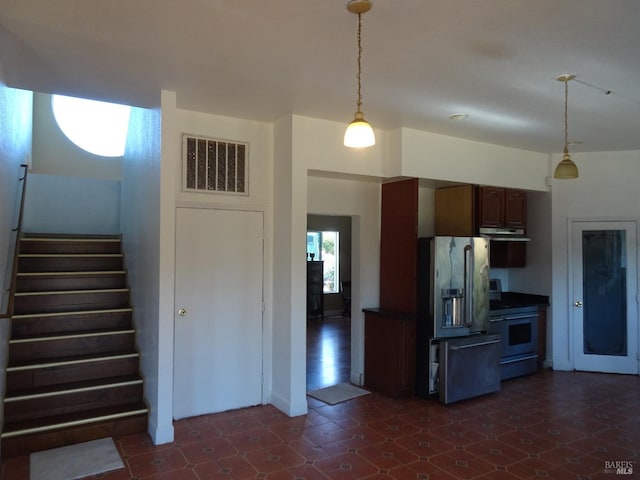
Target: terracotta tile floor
[{"x": 552, "y": 425}]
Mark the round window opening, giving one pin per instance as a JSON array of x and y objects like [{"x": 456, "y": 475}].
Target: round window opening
[{"x": 97, "y": 127}]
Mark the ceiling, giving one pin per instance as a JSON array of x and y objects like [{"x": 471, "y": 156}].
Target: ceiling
[{"x": 494, "y": 60}]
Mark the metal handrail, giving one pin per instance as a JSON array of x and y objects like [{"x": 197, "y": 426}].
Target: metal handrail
[{"x": 18, "y": 231}]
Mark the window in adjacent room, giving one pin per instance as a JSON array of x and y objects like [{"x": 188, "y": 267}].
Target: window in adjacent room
[
  {"x": 325, "y": 246},
  {"x": 96, "y": 127}
]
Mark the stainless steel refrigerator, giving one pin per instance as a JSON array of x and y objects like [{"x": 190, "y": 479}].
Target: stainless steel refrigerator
[
  {"x": 453, "y": 285},
  {"x": 453, "y": 301}
]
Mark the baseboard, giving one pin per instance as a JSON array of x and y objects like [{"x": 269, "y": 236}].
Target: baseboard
[
  {"x": 288, "y": 408},
  {"x": 160, "y": 435},
  {"x": 356, "y": 378},
  {"x": 562, "y": 366}
]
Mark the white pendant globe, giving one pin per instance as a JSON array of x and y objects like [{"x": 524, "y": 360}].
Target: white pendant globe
[{"x": 359, "y": 133}]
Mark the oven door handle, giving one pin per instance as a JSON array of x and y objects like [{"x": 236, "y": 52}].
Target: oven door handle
[
  {"x": 472, "y": 345},
  {"x": 522, "y": 317},
  {"x": 519, "y": 359}
]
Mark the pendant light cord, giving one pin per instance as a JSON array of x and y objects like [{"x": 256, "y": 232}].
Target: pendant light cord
[
  {"x": 359, "y": 37},
  {"x": 566, "y": 122}
]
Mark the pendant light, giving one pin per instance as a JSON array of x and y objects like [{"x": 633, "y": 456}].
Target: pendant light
[
  {"x": 566, "y": 169},
  {"x": 359, "y": 133}
]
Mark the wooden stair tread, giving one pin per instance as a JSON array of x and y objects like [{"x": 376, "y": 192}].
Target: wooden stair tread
[
  {"x": 64, "y": 334},
  {"x": 69, "y": 236},
  {"x": 79, "y": 418},
  {"x": 64, "y": 255},
  {"x": 45, "y": 363},
  {"x": 73, "y": 292},
  {"x": 47, "y": 274},
  {"x": 72, "y": 386},
  {"x": 72, "y": 312}
]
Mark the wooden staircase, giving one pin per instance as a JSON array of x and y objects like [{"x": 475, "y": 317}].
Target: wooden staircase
[{"x": 72, "y": 372}]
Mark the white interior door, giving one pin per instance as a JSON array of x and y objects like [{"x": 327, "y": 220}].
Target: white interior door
[
  {"x": 605, "y": 309},
  {"x": 218, "y": 319}
]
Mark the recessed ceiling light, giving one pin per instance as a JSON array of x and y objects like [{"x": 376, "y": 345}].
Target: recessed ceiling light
[
  {"x": 458, "y": 116},
  {"x": 575, "y": 142}
]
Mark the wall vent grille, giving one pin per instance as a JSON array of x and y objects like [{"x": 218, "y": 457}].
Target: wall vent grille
[{"x": 214, "y": 166}]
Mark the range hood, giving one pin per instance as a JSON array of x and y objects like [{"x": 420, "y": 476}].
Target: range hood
[{"x": 504, "y": 234}]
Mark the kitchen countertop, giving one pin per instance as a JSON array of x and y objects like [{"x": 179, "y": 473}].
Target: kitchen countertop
[
  {"x": 390, "y": 313},
  {"x": 518, "y": 300}
]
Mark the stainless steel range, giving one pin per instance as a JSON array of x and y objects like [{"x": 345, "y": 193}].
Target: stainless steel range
[{"x": 518, "y": 328}]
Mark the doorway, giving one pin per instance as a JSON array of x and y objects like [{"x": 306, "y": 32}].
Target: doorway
[
  {"x": 218, "y": 323},
  {"x": 329, "y": 335},
  {"x": 604, "y": 309}
]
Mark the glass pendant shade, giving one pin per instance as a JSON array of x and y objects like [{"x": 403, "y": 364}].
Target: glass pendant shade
[
  {"x": 359, "y": 133},
  {"x": 566, "y": 169}
]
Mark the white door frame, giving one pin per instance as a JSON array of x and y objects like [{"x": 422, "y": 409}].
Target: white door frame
[{"x": 575, "y": 315}]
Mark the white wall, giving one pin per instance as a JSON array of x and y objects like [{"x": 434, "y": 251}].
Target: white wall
[
  {"x": 361, "y": 201},
  {"x": 170, "y": 147},
  {"x": 289, "y": 272},
  {"x": 607, "y": 187},
  {"x": 426, "y": 211},
  {"x": 140, "y": 222},
  {"x": 439, "y": 157},
  {"x": 15, "y": 148},
  {"x": 65, "y": 204},
  {"x": 536, "y": 277}
]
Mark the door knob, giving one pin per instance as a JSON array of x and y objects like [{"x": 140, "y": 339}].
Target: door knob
[
  {"x": 182, "y": 312},
  {"x": 578, "y": 303}
]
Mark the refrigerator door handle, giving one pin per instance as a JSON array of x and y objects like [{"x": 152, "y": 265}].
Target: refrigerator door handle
[{"x": 468, "y": 286}]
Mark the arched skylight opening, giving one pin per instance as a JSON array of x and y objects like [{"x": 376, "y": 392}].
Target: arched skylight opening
[{"x": 97, "y": 127}]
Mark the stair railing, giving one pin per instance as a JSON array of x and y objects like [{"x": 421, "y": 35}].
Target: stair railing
[{"x": 11, "y": 290}]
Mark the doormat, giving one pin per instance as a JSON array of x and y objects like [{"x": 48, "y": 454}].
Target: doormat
[
  {"x": 337, "y": 393},
  {"x": 75, "y": 461}
]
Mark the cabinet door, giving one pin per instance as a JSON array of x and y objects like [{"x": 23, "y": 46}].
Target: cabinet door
[
  {"x": 398, "y": 245},
  {"x": 455, "y": 211},
  {"x": 508, "y": 254},
  {"x": 515, "y": 208},
  {"x": 491, "y": 206},
  {"x": 390, "y": 354}
]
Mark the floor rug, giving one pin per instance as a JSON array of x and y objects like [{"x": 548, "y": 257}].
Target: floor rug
[
  {"x": 337, "y": 393},
  {"x": 75, "y": 461}
]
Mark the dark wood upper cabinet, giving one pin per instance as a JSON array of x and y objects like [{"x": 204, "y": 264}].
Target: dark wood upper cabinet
[
  {"x": 463, "y": 209},
  {"x": 515, "y": 208},
  {"x": 502, "y": 207},
  {"x": 491, "y": 207}
]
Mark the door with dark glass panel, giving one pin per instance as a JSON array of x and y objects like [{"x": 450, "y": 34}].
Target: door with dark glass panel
[{"x": 604, "y": 304}]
